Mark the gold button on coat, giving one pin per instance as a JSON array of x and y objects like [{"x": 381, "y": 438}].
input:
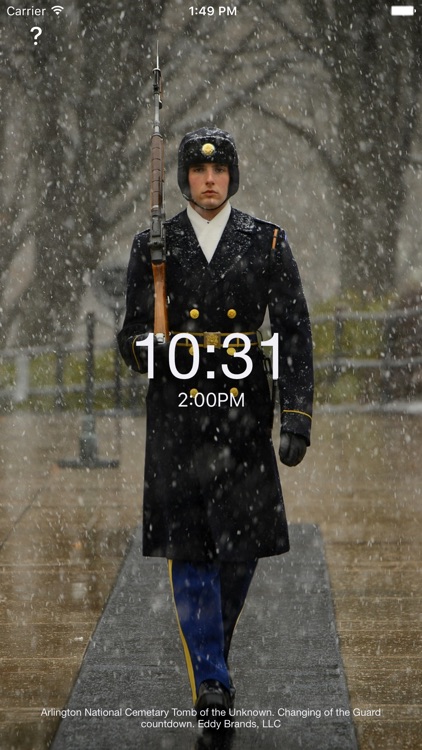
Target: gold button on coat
[
  {"x": 193, "y": 392},
  {"x": 194, "y": 313},
  {"x": 234, "y": 391},
  {"x": 231, "y": 350},
  {"x": 231, "y": 313}
]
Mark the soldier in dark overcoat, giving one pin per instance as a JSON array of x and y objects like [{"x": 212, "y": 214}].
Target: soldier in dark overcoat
[{"x": 213, "y": 503}]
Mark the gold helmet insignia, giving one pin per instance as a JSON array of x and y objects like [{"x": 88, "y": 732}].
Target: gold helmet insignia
[{"x": 208, "y": 149}]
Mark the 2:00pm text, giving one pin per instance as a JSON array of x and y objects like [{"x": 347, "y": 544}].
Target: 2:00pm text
[{"x": 211, "y": 400}]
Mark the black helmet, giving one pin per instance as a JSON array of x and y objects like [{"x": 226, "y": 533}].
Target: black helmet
[{"x": 207, "y": 145}]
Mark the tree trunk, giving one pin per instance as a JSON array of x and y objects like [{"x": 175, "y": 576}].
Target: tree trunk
[{"x": 377, "y": 79}]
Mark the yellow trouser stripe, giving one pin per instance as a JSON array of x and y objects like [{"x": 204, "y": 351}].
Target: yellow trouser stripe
[{"x": 183, "y": 639}]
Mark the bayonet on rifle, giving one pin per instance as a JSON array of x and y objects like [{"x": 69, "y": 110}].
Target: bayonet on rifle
[{"x": 157, "y": 242}]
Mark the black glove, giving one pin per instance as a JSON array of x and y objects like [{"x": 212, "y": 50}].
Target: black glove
[
  {"x": 139, "y": 354},
  {"x": 292, "y": 448}
]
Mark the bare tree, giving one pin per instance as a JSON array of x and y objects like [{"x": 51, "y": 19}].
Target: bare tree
[
  {"x": 83, "y": 94},
  {"x": 365, "y": 98}
]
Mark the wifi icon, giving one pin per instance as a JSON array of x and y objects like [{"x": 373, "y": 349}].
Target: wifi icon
[{"x": 57, "y": 9}]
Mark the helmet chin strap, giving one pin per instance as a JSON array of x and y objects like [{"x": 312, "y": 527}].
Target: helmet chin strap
[{"x": 204, "y": 208}]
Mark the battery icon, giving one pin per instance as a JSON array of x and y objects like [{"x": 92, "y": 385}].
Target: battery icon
[{"x": 402, "y": 10}]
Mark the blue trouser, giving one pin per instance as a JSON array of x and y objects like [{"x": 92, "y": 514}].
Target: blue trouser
[{"x": 209, "y": 598}]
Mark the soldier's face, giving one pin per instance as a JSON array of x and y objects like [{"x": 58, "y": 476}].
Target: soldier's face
[{"x": 209, "y": 185}]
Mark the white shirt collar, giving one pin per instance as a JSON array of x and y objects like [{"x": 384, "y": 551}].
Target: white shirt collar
[{"x": 208, "y": 231}]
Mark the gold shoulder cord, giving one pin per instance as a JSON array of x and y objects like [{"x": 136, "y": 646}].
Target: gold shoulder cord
[{"x": 275, "y": 235}]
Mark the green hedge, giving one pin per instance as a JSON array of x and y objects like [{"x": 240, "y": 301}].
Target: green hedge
[{"x": 359, "y": 339}]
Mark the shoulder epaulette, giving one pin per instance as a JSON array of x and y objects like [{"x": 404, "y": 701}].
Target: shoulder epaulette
[{"x": 267, "y": 223}]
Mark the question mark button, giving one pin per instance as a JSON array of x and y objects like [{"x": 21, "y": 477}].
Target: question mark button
[{"x": 38, "y": 33}]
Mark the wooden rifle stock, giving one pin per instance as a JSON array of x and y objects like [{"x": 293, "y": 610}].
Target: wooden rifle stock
[{"x": 161, "y": 325}]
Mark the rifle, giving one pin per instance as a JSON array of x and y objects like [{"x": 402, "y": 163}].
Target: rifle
[{"x": 157, "y": 241}]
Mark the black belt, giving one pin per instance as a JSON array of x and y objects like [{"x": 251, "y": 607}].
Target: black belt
[{"x": 216, "y": 339}]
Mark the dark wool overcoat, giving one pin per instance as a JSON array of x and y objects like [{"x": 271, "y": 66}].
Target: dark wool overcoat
[{"x": 212, "y": 487}]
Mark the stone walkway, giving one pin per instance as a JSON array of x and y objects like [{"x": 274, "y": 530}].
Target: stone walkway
[{"x": 291, "y": 691}]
